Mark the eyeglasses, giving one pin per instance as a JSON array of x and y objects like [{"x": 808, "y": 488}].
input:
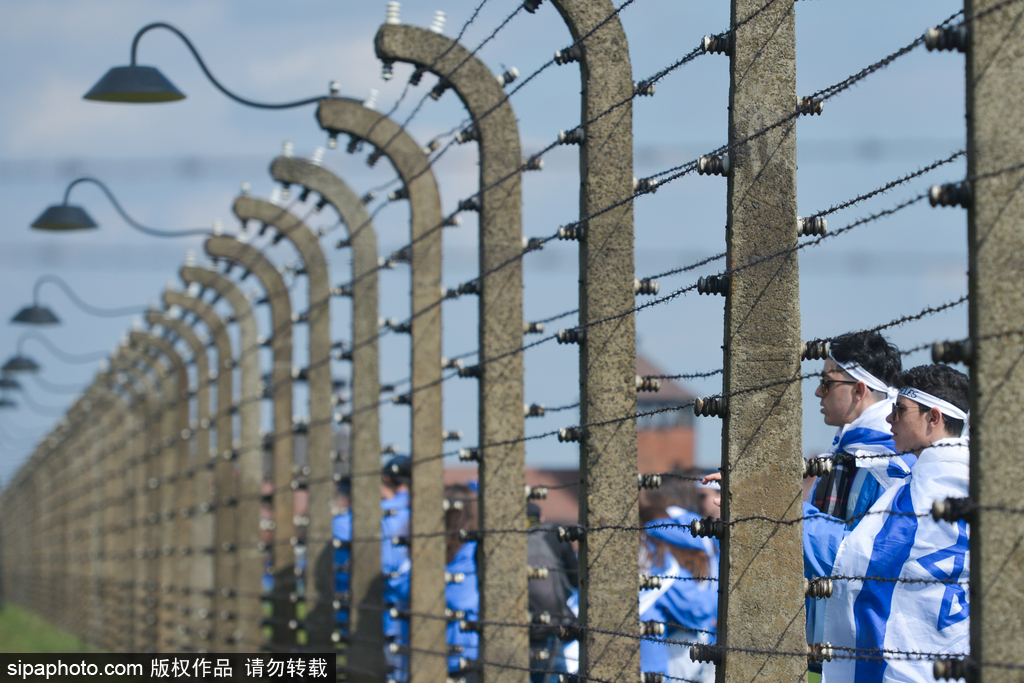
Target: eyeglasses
[
  {"x": 898, "y": 410},
  {"x": 826, "y": 384}
]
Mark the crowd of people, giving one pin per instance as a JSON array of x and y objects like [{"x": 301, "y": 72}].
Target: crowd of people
[{"x": 901, "y": 442}]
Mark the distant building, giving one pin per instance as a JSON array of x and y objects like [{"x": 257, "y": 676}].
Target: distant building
[{"x": 664, "y": 440}]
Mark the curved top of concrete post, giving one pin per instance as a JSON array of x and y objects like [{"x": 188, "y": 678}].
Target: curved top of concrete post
[
  {"x": 476, "y": 86},
  {"x": 110, "y": 380},
  {"x": 126, "y": 358},
  {"x": 177, "y": 365},
  {"x": 297, "y": 232},
  {"x": 213, "y": 322},
  {"x": 605, "y": 41},
  {"x": 199, "y": 355},
  {"x": 230, "y": 249},
  {"x": 236, "y": 299},
  {"x": 346, "y": 202},
  {"x": 341, "y": 114}
]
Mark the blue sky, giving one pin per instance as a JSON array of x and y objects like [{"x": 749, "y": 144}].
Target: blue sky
[{"x": 181, "y": 165}]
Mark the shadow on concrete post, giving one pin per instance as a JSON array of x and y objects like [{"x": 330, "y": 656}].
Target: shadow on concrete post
[
  {"x": 315, "y": 594},
  {"x": 197, "y": 498},
  {"x": 502, "y": 471},
  {"x": 238, "y": 593},
  {"x": 365, "y": 597},
  {"x": 174, "y": 462},
  {"x": 280, "y": 442}
]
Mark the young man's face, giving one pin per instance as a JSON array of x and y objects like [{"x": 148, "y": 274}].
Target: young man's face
[
  {"x": 836, "y": 392},
  {"x": 912, "y": 429}
]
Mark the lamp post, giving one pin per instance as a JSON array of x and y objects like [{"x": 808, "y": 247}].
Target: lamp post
[
  {"x": 36, "y": 314},
  {"x": 65, "y": 217},
  {"x": 145, "y": 84}
]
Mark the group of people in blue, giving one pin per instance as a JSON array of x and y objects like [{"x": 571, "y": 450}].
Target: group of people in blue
[{"x": 902, "y": 441}]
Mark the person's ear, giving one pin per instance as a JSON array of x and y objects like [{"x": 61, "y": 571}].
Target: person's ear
[{"x": 935, "y": 418}]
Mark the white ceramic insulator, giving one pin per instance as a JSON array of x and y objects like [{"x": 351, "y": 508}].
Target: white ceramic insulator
[
  {"x": 393, "y": 11},
  {"x": 437, "y": 25},
  {"x": 371, "y": 100}
]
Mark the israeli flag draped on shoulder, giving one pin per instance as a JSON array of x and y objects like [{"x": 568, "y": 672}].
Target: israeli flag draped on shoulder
[{"x": 899, "y": 540}]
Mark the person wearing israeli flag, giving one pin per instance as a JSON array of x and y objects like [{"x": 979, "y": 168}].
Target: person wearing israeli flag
[
  {"x": 856, "y": 397},
  {"x": 912, "y": 597},
  {"x": 684, "y": 602}
]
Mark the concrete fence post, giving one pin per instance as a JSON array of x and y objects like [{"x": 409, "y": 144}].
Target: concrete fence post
[
  {"x": 114, "y": 565},
  {"x": 995, "y": 92},
  {"x": 237, "y": 596},
  {"x": 197, "y": 495},
  {"x": 365, "y": 598},
  {"x": 173, "y": 462},
  {"x": 608, "y": 455},
  {"x": 280, "y": 441},
  {"x": 315, "y": 589},
  {"x": 761, "y": 570},
  {"x": 122, "y": 570},
  {"x": 145, "y": 504},
  {"x": 220, "y": 557},
  {"x": 502, "y": 469}
]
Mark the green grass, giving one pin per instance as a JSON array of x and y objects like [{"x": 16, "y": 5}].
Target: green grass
[{"x": 22, "y": 631}]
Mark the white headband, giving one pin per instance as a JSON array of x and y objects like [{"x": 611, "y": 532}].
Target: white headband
[
  {"x": 857, "y": 371},
  {"x": 926, "y": 399}
]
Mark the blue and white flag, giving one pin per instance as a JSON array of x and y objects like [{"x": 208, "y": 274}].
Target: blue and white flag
[{"x": 930, "y": 612}]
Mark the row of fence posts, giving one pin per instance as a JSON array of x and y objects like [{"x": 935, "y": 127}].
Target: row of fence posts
[{"x": 137, "y": 521}]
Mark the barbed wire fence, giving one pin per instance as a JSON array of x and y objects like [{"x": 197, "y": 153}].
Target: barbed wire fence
[{"x": 174, "y": 499}]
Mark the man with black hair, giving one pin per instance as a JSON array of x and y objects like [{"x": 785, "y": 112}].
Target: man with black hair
[
  {"x": 912, "y": 597},
  {"x": 855, "y": 398}
]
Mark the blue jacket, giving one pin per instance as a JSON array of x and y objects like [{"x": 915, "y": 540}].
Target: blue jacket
[
  {"x": 394, "y": 562},
  {"x": 465, "y": 597},
  {"x": 341, "y": 529},
  {"x": 688, "y": 604}
]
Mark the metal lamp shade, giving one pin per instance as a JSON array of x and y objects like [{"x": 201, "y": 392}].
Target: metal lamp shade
[
  {"x": 143, "y": 84},
  {"x": 36, "y": 315},
  {"x": 64, "y": 217},
  {"x": 19, "y": 364}
]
